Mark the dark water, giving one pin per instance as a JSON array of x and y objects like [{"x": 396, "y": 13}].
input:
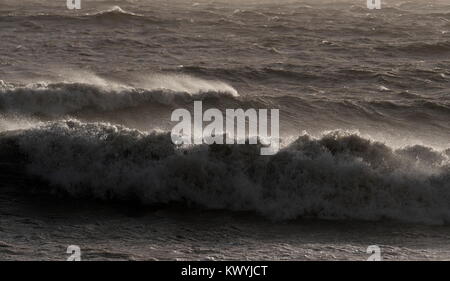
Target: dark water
[{"x": 364, "y": 116}]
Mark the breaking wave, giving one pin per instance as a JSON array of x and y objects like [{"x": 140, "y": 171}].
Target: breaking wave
[
  {"x": 59, "y": 99},
  {"x": 337, "y": 176}
]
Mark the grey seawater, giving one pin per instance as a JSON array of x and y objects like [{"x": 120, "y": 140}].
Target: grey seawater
[
  {"x": 43, "y": 230},
  {"x": 82, "y": 91}
]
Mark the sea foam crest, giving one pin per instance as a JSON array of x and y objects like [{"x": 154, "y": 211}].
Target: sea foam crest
[{"x": 56, "y": 99}]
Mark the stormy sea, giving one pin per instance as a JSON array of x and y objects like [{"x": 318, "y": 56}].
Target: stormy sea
[{"x": 87, "y": 159}]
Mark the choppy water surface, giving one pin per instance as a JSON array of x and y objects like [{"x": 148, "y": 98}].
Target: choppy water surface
[{"x": 85, "y": 104}]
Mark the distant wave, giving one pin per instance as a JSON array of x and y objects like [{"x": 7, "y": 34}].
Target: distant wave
[
  {"x": 292, "y": 73},
  {"x": 114, "y": 11},
  {"x": 58, "y": 99},
  {"x": 420, "y": 48},
  {"x": 338, "y": 176},
  {"x": 252, "y": 73}
]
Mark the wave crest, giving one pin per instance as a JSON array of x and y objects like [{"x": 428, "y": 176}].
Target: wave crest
[
  {"x": 114, "y": 11},
  {"x": 59, "y": 99}
]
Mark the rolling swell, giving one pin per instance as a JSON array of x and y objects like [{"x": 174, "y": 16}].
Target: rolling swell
[
  {"x": 86, "y": 100},
  {"x": 112, "y": 15},
  {"x": 59, "y": 99},
  {"x": 338, "y": 176},
  {"x": 421, "y": 48}
]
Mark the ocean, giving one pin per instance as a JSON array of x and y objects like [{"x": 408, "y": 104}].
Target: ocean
[{"x": 86, "y": 155}]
